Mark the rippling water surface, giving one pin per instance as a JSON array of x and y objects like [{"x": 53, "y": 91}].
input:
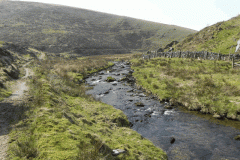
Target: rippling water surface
[{"x": 195, "y": 137}]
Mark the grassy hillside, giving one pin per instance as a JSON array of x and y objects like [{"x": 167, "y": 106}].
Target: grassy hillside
[
  {"x": 221, "y": 37},
  {"x": 55, "y": 28}
]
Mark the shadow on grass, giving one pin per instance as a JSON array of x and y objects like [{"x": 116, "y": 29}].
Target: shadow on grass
[{"x": 10, "y": 115}]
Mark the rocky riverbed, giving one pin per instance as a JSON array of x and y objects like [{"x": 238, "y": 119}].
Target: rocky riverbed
[{"x": 182, "y": 135}]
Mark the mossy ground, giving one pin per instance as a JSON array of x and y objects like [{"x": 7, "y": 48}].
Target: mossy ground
[
  {"x": 62, "y": 122},
  {"x": 202, "y": 85}
]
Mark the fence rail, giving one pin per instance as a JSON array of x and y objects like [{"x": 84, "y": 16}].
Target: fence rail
[{"x": 235, "y": 58}]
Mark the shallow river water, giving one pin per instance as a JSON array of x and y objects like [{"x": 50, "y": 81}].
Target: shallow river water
[{"x": 195, "y": 137}]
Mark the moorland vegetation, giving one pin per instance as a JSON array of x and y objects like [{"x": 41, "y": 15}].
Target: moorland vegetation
[
  {"x": 201, "y": 85},
  {"x": 59, "y": 121},
  {"x": 59, "y": 29},
  {"x": 221, "y": 38}
]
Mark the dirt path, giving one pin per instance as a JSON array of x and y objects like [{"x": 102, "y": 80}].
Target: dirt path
[{"x": 8, "y": 110}]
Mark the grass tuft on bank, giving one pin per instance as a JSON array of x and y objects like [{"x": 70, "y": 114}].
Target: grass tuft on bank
[
  {"x": 201, "y": 85},
  {"x": 62, "y": 122}
]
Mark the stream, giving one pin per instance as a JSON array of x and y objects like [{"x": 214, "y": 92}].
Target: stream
[{"x": 195, "y": 137}]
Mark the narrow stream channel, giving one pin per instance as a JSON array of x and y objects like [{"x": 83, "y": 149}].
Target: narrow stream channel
[{"x": 195, "y": 137}]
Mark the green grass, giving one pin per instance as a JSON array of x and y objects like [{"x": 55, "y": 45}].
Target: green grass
[
  {"x": 110, "y": 79},
  {"x": 1, "y": 43},
  {"x": 4, "y": 93},
  {"x": 52, "y": 31},
  {"x": 64, "y": 123},
  {"x": 216, "y": 38},
  {"x": 202, "y": 85}
]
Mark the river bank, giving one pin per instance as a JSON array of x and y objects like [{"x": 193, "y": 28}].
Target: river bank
[
  {"x": 61, "y": 122},
  {"x": 181, "y": 134},
  {"x": 201, "y": 85}
]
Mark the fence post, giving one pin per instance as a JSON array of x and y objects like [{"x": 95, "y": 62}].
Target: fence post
[
  {"x": 233, "y": 62},
  {"x": 230, "y": 52}
]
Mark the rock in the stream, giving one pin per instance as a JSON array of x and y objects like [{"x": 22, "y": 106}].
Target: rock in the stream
[
  {"x": 114, "y": 84},
  {"x": 167, "y": 106},
  {"x": 117, "y": 152},
  {"x": 130, "y": 90},
  {"x": 141, "y": 95},
  {"x": 217, "y": 116},
  {"x": 110, "y": 79},
  {"x": 101, "y": 73},
  {"x": 106, "y": 92},
  {"x": 130, "y": 124},
  {"x": 139, "y": 104},
  {"x": 237, "y": 137},
  {"x": 127, "y": 79},
  {"x": 148, "y": 115},
  {"x": 128, "y": 63},
  {"x": 172, "y": 140},
  {"x": 122, "y": 66}
]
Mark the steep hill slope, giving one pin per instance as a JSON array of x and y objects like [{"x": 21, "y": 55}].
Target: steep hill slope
[
  {"x": 221, "y": 37},
  {"x": 55, "y": 28}
]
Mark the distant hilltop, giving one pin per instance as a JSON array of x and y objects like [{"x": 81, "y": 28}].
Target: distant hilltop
[{"x": 58, "y": 29}]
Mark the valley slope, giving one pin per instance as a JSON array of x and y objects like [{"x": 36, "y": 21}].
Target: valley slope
[
  {"x": 58, "y": 29},
  {"x": 221, "y": 38}
]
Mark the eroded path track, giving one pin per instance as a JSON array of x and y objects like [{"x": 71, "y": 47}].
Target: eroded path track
[{"x": 9, "y": 108}]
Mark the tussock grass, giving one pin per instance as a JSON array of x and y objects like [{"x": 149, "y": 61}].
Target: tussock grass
[
  {"x": 202, "y": 85},
  {"x": 65, "y": 123}
]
